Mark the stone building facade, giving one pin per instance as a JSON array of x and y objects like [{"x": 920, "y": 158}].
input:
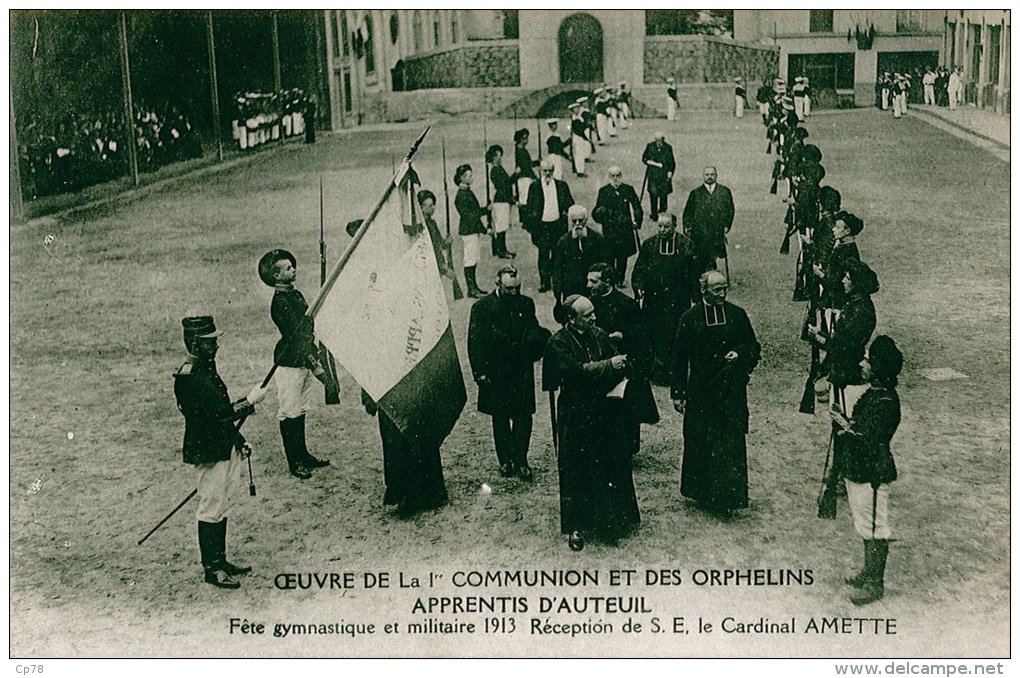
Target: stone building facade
[{"x": 978, "y": 40}]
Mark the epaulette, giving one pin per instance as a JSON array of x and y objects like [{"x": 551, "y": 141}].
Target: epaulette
[{"x": 185, "y": 370}]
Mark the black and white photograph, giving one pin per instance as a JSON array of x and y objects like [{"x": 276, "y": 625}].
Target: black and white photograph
[{"x": 521, "y": 333}]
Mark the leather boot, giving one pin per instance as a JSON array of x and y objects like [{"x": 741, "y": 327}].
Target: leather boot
[
  {"x": 310, "y": 462},
  {"x": 874, "y": 586},
  {"x": 209, "y": 546},
  {"x": 473, "y": 291},
  {"x": 504, "y": 252},
  {"x": 292, "y": 448},
  {"x": 228, "y": 567},
  {"x": 858, "y": 578}
]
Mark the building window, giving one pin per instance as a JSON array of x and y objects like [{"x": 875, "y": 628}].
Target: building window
[
  {"x": 454, "y": 27},
  {"x": 511, "y": 27},
  {"x": 688, "y": 22},
  {"x": 394, "y": 27},
  {"x": 369, "y": 45},
  {"x": 348, "y": 104},
  {"x": 334, "y": 29},
  {"x": 908, "y": 21},
  {"x": 820, "y": 21},
  {"x": 437, "y": 39},
  {"x": 343, "y": 32},
  {"x": 416, "y": 30}
]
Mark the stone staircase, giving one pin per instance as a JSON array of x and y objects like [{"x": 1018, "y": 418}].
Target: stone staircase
[{"x": 551, "y": 102}]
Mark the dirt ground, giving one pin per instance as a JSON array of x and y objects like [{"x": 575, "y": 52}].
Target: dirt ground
[{"x": 95, "y": 436}]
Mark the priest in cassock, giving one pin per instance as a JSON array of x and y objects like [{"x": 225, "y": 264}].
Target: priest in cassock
[
  {"x": 596, "y": 483},
  {"x": 714, "y": 354},
  {"x": 664, "y": 279},
  {"x": 620, "y": 317}
]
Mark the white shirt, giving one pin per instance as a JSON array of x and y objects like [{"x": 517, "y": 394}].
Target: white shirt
[
  {"x": 710, "y": 188},
  {"x": 551, "y": 211}
]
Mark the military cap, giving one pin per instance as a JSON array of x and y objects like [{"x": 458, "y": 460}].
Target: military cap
[
  {"x": 738, "y": 80},
  {"x": 669, "y": 80},
  {"x": 854, "y": 223},
  {"x": 582, "y": 100},
  {"x": 812, "y": 172},
  {"x": 200, "y": 327},
  {"x": 811, "y": 153},
  {"x": 521, "y": 133},
  {"x": 885, "y": 357},
  {"x": 829, "y": 198},
  {"x": 267, "y": 265},
  {"x": 864, "y": 280},
  {"x": 574, "y": 106},
  {"x": 553, "y": 121},
  {"x": 600, "y": 90}
]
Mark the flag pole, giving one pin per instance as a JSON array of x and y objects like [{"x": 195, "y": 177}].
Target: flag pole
[{"x": 313, "y": 308}]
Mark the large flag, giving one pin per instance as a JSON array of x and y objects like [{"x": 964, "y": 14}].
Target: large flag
[{"x": 385, "y": 319}]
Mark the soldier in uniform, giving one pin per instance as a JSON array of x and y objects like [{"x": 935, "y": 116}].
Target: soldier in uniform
[
  {"x": 665, "y": 280},
  {"x": 524, "y": 166},
  {"x": 660, "y": 164},
  {"x": 618, "y": 210},
  {"x": 471, "y": 228},
  {"x": 623, "y": 100},
  {"x": 672, "y": 99},
  {"x": 578, "y": 141},
  {"x": 213, "y": 444},
  {"x": 296, "y": 358},
  {"x": 763, "y": 97},
  {"x": 739, "y": 98},
  {"x": 504, "y": 342},
  {"x": 502, "y": 201},
  {"x": 557, "y": 148}
]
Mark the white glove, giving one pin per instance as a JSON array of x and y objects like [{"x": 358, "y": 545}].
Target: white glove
[{"x": 256, "y": 394}]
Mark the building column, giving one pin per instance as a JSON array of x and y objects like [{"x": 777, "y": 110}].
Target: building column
[
  {"x": 982, "y": 77},
  {"x": 865, "y": 76},
  {"x": 1003, "y": 79}
]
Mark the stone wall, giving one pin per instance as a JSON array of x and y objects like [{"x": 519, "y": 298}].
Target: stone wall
[
  {"x": 696, "y": 59},
  {"x": 426, "y": 104},
  {"x": 493, "y": 64}
]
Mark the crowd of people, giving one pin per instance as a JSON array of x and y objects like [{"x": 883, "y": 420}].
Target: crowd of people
[
  {"x": 677, "y": 329},
  {"x": 264, "y": 117},
  {"x": 81, "y": 149},
  {"x": 851, "y": 372}
]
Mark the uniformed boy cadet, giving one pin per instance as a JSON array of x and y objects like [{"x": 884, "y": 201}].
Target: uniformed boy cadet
[
  {"x": 578, "y": 141},
  {"x": 556, "y": 147},
  {"x": 296, "y": 358},
  {"x": 740, "y": 95},
  {"x": 672, "y": 99},
  {"x": 213, "y": 444}
]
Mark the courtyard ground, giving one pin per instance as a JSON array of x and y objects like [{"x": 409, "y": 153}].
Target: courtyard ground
[{"x": 95, "y": 436}]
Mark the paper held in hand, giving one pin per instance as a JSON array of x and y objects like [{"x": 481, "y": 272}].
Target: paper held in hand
[{"x": 618, "y": 390}]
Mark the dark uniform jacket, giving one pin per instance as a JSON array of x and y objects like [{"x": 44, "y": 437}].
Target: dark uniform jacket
[
  {"x": 296, "y": 347},
  {"x": 875, "y": 419},
  {"x": 547, "y": 235},
  {"x": 845, "y": 349},
  {"x": 470, "y": 212},
  {"x": 209, "y": 430},
  {"x": 437, "y": 244},
  {"x": 504, "y": 342},
  {"x": 572, "y": 259},
  {"x": 556, "y": 146},
  {"x": 525, "y": 166},
  {"x": 833, "y": 292},
  {"x": 619, "y": 211},
  {"x": 708, "y": 218},
  {"x": 659, "y": 179},
  {"x": 503, "y": 184}
]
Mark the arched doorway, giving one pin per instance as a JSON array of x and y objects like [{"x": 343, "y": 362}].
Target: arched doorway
[{"x": 580, "y": 43}]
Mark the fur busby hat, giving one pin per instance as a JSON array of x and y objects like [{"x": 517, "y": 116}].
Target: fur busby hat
[
  {"x": 885, "y": 358},
  {"x": 267, "y": 265},
  {"x": 864, "y": 280}
]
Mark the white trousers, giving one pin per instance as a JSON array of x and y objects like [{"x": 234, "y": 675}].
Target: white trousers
[
  {"x": 798, "y": 107},
  {"x": 807, "y": 106},
  {"x": 579, "y": 147},
  {"x": 670, "y": 108},
  {"x": 929, "y": 95},
  {"x": 293, "y": 391},
  {"x": 738, "y": 103},
  {"x": 557, "y": 162},
  {"x": 870, "y": 509},
  {"x": 624, "y": 115},
  {"x": 500, "y": 217},
  {"x": 899, "y": 105},
  {"x": 219, "y": 486},
  {"x": 885, "y": 99},
  {"x": 602, "y": 125},
  {"x": 614, "y": 117},
  {"x": 472, "y": 245}
]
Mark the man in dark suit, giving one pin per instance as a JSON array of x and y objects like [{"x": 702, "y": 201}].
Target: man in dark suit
[
  {"x": 659, "y": 168},
  {"x": 576, "y": 252},
  {"x": 618, "y": 209},
  {"x": 504, "y": 341},
  {"x": 545, "y": 217},
  {"x": 708, "y": 217},
  {"x": 212, "y": 444},
  {"x": 619, "y": 316}
]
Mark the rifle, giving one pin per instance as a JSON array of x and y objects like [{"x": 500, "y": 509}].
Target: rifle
[
  {"x": 458, "y": 293},
  {"x": 807, "y": 398},
  {"x": 791, "y": 228},
  {"x": 488, "y": 191},
  {"x": 552, "y": 419},
  {"x": 830, "y": 476},
  {"x": 776, "y": 171},
  {"x": 331, "y": 382},
  {"x": 538, "y": 135}
]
